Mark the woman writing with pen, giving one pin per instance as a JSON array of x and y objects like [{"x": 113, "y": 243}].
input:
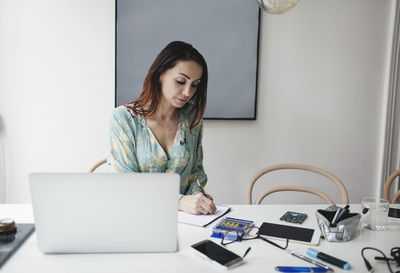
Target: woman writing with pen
[{"x": 161, "y": 131}]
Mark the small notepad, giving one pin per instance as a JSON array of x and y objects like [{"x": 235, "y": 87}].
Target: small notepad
[{"x": 202, "y": 220}]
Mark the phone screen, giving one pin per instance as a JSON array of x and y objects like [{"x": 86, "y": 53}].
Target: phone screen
[
  {"x": 216, "y": 252},
  {"x": 393, "y": 212}
]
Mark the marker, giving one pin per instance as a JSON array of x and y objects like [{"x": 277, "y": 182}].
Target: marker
[
  {"x": 327, "y": 258},
  {"x": 304, "y": 258},
  {"x": 299, "y": 269}
]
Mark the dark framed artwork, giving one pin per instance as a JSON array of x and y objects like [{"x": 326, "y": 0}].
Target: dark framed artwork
[{"x": 225, "y": 32}]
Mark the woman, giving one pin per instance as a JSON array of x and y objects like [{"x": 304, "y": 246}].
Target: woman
[{"x": 162, "y": 130}]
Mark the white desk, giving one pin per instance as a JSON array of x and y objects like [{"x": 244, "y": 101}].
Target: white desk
[{"x": 263, "y": 257}]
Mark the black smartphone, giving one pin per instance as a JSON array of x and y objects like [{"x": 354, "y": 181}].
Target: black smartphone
[
  {"x": 394, "y": 212},
  {"x": 218, "y": 254},
  {"x": 294, "y": 217}
]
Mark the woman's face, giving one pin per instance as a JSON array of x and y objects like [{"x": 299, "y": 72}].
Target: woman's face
[{"x": 179, "y": 83}]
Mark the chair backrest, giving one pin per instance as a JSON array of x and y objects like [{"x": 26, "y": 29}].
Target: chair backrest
[
  {"x": 386, "y": 188},
  {"x": 98, "y": 164},
  {"x": 333, "y": 178}
]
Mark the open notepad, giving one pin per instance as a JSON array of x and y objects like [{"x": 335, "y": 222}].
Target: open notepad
[{"x": 202, "y": 220}]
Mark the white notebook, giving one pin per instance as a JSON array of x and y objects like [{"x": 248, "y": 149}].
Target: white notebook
[{"x": 202, "y": 220}]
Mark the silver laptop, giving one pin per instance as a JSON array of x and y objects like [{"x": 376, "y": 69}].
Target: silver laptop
[{"x": 105, "y": 212}]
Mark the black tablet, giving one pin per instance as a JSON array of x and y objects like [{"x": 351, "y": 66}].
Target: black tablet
[{"x": 298, "y": 234}]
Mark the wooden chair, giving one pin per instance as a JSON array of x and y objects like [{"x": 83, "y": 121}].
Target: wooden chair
[
  {"x": 98, "y": 164},
  {"x": 333, "y": 178},
  {"x": 386, "y": 188}
]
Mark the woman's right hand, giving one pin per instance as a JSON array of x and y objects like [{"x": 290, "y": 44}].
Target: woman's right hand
[{"x": 197, "y": 204}]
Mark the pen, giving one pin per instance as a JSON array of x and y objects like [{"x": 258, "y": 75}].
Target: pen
[
  {"x": 304, "y": 258},
  {"x": 247, "y": 252},
  {"x": 327, "y": 258},
  {"x": 299, "y": 269},
  {"x": 342, "y": 213},
  {"x": 201, "y": 188},
  {"x": 335, "y": 218}
]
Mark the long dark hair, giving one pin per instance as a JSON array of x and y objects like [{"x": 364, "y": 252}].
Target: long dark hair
[{"x": 167, "y": 59}]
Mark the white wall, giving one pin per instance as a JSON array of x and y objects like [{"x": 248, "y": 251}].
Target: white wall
[
  {"x": 322, "y": 77},
  {"x": 56, "y": 86}
]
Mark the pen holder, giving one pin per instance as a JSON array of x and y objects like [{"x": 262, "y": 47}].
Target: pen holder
[{"x": 342, "y": 230}]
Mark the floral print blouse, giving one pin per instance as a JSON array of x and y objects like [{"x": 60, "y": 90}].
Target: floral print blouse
[{"x": 134, "y": 148}]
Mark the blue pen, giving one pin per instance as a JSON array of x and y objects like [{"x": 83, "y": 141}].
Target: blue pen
[
  {"x": 299, "y": 269},
  {"x": 342, "y": 213},
  {"x": 327, "y": 258}
]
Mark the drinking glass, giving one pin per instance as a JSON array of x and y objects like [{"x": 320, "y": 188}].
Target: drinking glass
[{"x": 374, "y": 213}]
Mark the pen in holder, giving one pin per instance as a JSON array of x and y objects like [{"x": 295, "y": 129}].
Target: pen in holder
[{"x": 337, "y": 224}]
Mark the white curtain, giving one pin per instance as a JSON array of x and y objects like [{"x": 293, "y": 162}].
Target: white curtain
[{"x": 391, "y": 157}]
